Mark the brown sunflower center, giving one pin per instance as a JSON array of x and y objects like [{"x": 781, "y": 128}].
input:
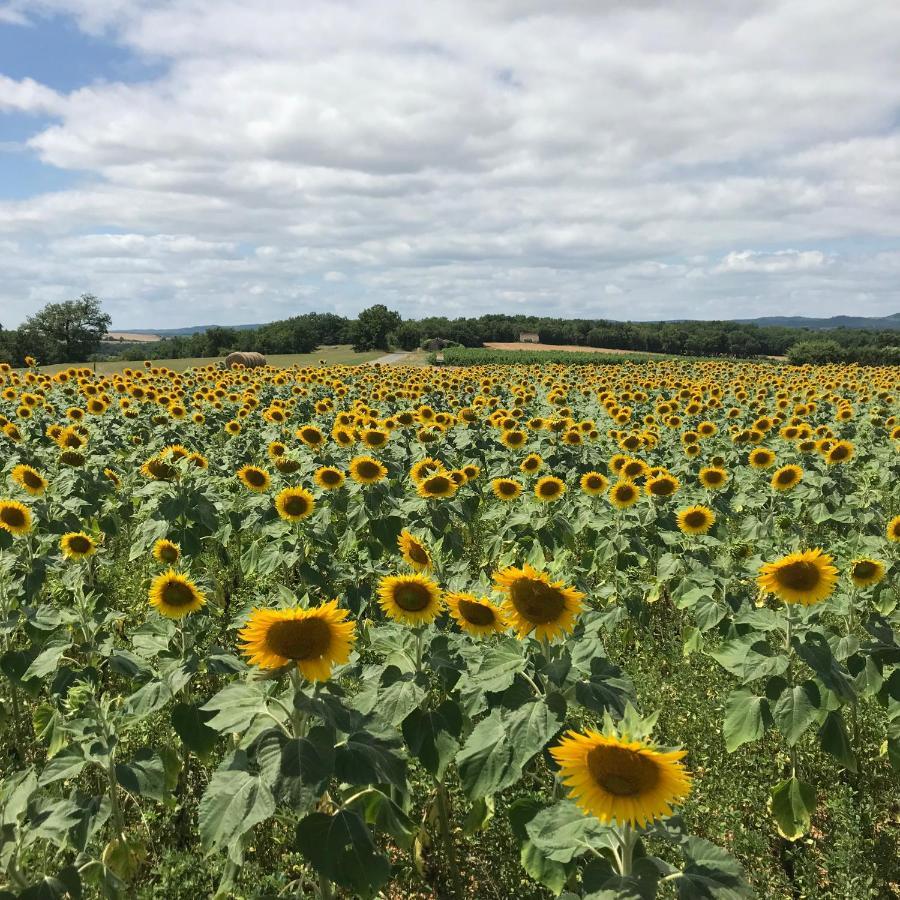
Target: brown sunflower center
[
  {"x": 438, "y": 484},
  {"x": 32, "y": 479},
  {"x": 295, "y": 505},
  {"x": 594, "y": 482},
  {"x": 549, "y": 489},
  {"x": 507, "y": 488},
  {"x": 72, "y": 458},
  {"x": 368, "y": 469},
  {"x": 695, "y": 519},
  {"x": 311, "y": 435},
  {"x": 78, "y": 543},
  {"x": 662, "y": 487},
  {"x": 255, "y": 477},
  {"x": 168, "y": 553},
  {"x": 412, "y": 597},
  {"x": 839, "y": 452},
  {"x": 786, "y": 476},
  {"x": 330, "y": 476},
  {"x": 299, "y": 638},
  {"x": 624, "y": 493},
  {"x": 476, "y": 613},
  {"x": 865, "y": 569},
  {"x": 177, "y": 593},
  {"x": 798, "y": 576},
  {"x": 536, "y": 601},
  {"x": 417, "y": 553},
  {"x": 631, "y": 470},
  {"x": 12, "y": 516},
  {"x": 287, "y": 466},
  {"x": 622, "y": 772}
]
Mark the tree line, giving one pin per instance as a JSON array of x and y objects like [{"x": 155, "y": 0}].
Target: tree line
[{"x": 74, "y": 331}]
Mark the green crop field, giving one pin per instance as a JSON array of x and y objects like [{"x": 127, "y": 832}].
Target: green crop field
[{"x": 603, "y": 632}]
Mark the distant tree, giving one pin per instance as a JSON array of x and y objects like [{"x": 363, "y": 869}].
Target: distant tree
[
  {"x": 372, "y": 327},
  {"x": 70, "y": 331},
  {"x": 816, "y": 350},
  {"x": 408, "y": 336}
]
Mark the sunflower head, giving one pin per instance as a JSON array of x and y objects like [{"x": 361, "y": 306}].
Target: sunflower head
[
  {"x": 624, "y": 493},
  {"x": 622, "y": 781},
  {"x": 840, "y": 452},
  {"x": 77, "y": 545},
  {"x": 536, "y": 604},
  {"x": 593, "y": 483},
  {"x": 477, "y": 616},
  {"x": 314, "y": 639},
  {"x": 15, "y": 517},
  {"x": 74, "y": 459},
  {"x": 713, "y": 478},
  {"x": 892, "y": 532},
  {"x": 761, "y": 458},
  {"x": 806, "y": 577},
  {"x": 294, "y": 504},
  {"x": 29, "y": 479},
  {"x": 662, "y": 485},
  {"x": 415, "y": 553},
  {"x": 695, "y": 519},
  {"x": 410, "y": 599},
  {"x": 549, "y": 488},
  {"x": 438, "y": 485},
  {"x": 532, "y": 463},
  {"x": 166, "y": 552},
  {"x": 865, "y": 572},
  {"x": 506, "y": 488},
  {"x": 367, "y": 470},
  {"x": 425, "y": 467},
  {"x": 254, "y": 478},
  {"x": 175, "y": 595},
  {"x": 786, "y": 478},
  {"x": 328, "y": 478}
]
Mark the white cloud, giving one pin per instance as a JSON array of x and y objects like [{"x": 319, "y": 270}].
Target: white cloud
[
  {"x": 780, "y": 261},
  {"x": 469, "y": 157}
]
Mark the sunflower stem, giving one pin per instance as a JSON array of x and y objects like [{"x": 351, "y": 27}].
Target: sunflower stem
[
  {"x": 629, "y": 839},
  {"x": 324, "y": 891},
  {"x": 298, "y": 718},
  {"x": 443, "y": 806}
]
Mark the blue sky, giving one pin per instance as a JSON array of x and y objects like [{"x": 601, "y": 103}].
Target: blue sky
[{"x": 191, "y": 162}]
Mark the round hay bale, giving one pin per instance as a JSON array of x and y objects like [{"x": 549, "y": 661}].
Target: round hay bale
[{"x": 249, "y": 360}]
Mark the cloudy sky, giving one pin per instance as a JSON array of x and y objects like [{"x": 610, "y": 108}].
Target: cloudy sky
[{"x": 242, "y": 160}]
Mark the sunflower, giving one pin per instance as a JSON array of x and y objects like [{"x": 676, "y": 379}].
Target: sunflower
[
  {"x": 614, "y": 779},
  {"x": 415, "y": 553},
  {"x": 506, "y": 488},
  {"x": 374, "y": 437},
  {"x": 713, "y": 477},
  {"x": 549, "y": 488},
  {"x": 695, "y": 519},
  {"x": 328, "y": 478},
  {"x": 471, "y": 471},
  {"x": 72, "y": 458},
  {"x": 425, "y": 467},
  {"x": 804, "y": 577},
  {"x": 288, "y": 466},
  {"x": 531, "y": 463},
  {"x": 437, "y": 485},
  {"x": 477, "y": 616},
  {"x": 786, "y": 478},
  {"x": 175, "y": 595},
  {"x": 411, "y": 599},
  {"x": 77, "y": 545},
  {"x": 865, "y": 572},
  {"x": 254, "y": 478},
  {"x": 514, "y": 438},
  {"x": 113, "y": 478},
  {"x": 166, "y": 552},
  {"x": 310, "y": 435},
  {"x": 840, "y": 452},
  {"x": 535, "y": 603},
  {"x": 294, "y": 504},
  {"x": 15, "y": 517},
  {"x": 315, "y": 639},
  {"x": 593, "y": 483},
  {"x": 157, "y": 469},
  {"x": 892, "y": 532},
  {"x": 761, "y": 458},
  {"x": 662, "y": 485},
  {"x": 29, "y": 480},
  {"x": 623, "y": 494},
  {"x": 367, "y": 470}
]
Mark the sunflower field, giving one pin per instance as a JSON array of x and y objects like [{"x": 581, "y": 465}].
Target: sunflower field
[{"x": 599, "y": 631}]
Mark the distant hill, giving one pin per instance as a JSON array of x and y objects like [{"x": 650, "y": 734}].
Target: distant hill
[
  {"x": 188, "y": 329},
  {"x": 876, "y": 324}
]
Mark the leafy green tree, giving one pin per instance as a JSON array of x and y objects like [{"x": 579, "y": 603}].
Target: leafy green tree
[
  {"x": 70, "y": 331},
  {"x": 408, "y": 336},
  {"x": 372, "y": 327}
]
